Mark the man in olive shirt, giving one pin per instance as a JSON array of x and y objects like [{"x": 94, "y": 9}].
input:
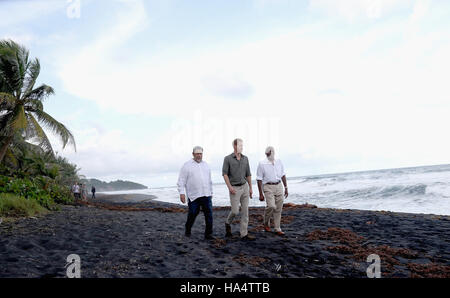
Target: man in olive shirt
[{"x": 237, "y": 176}]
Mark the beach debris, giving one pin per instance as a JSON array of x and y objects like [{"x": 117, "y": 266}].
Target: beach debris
[
  {"x": 431, "y": 270},
  {"x": 300, "y": 206},
  {"x": 219, "y": 243},
  {"x": 352, "y": 244}
]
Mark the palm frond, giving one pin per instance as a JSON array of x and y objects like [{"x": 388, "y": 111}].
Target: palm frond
[
  {"x": 19, "y": 121},
  {"x": 33, "y": 71},
  {"x": 9, "y": 72},
  {"x": 56, "y": 127},
  {"x": 5, "y": 123},
  {"x": 35, "y": 131},
  {"x": 13, "y": 66},
  {"x": 7, "y": 101},
  {"x": 32, "y": 105},
  {"x": 40, "y": 93}
]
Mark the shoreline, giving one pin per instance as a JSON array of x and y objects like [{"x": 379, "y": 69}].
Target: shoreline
[
  {"x": 116, "y": 237},
  {"x": 131, "y": 198}
]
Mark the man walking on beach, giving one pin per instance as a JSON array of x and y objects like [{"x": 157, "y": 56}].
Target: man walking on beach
[
  {"x": 93, "y": 191},
  {"x": 195, "y": 182},
  {"x": 269, "y": 175},
  {"x": 237, "y": 176}
]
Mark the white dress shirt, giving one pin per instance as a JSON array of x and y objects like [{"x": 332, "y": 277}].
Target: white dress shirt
[
  {"x": 268, "y": 172},
  {"x": 194, "y": 180}
]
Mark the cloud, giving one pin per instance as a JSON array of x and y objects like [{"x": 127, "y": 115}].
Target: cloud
[
  {"x": 231, "y": 86},
  {"x": 390, "y": 79},
  {"x": 13, "y": 13},
  {"x": 353, "y": 10}
]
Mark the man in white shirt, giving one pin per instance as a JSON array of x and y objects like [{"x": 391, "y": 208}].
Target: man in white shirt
[
  {"x": 269, "y": 175},
  {"x": 195, "y": 182},
  {"x": 76, "y": 191}
]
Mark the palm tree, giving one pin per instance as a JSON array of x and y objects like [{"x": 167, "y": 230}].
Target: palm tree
[{"x": 21, "y": 104}]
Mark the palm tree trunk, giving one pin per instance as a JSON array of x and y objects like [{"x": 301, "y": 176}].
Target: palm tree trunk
[{"x": 4, "y": 147}]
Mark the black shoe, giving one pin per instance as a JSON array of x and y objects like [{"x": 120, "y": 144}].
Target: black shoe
[
  {"x": 209, "y": 237},
  {"x": 248, "y": 237},
  {"x": 187, "y": 234},
  {"x": 228, "y": 230}
]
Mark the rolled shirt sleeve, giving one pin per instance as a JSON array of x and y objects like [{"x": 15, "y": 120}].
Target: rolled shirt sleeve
[
  {"x": 282, "y": 168},
  {"x": 247, "y": 170},
  {"x": 259, "y": 172},
  {"x": 226, "y": 166}
]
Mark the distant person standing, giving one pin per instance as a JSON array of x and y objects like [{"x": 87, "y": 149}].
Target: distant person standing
[
  {"x": 269, "y": 175},
  {"x": 93, "y": 191},
  {"x": 195, "y": 182},
  {"x": 237, "y": 176},
  {"x": 76, "y": 191},
  {"x": 84, "y": 192}
]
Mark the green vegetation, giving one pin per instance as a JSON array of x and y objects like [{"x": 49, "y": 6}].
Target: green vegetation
[
  {"x": 30, "y": 171},
  {"x": 113, "y": 185},
  {"x": 17, "y": 206}
]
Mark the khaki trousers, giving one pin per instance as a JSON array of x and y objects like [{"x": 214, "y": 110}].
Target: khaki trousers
[
  {"x": 240, "y": 197},
  {"x": 274, "y": 199}
]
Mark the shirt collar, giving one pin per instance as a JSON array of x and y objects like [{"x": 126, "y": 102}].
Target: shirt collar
[
  {"x": 267, "y": 161},
  {"x": 234, "y": 155}
]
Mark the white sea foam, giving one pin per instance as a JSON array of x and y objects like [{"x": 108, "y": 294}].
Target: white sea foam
[{"x": 413, "y": 190}]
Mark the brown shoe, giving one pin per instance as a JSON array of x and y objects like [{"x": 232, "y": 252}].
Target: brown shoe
[
  {"x": 267, "y": 229},
  {"x": 248, "y": 237},
  {"x": 280, "y": 233},
  {"x": 228, "y": 230}
]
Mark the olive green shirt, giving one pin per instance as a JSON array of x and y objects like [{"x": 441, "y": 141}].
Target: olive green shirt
[{"x": 237, "y": 170}]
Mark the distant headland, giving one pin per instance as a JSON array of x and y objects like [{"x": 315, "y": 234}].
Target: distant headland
[{"x": 112, "y": 186}]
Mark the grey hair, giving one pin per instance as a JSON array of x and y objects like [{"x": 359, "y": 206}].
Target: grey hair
[
  {"x": 269, "y": 148},
  {"x": 197, "y": 148},
  {"x": 235, "y": 142}
]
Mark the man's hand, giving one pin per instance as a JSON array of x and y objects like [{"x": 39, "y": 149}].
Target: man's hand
[
  {"x": 232, "y": 190},
  {"x": 261, "y": 197},
  {"x": 250, "y": 192},
  {"x": 183, "y": 199},
  {"x": 286, "y": 192}
]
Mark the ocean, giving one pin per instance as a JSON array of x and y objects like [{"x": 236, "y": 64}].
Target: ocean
[{"x": 424, "y": 189}]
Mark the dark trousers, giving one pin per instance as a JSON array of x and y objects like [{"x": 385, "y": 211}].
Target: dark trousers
[
  {"x": 194, "y": 208},
  {"x": 93, "y": 194}
]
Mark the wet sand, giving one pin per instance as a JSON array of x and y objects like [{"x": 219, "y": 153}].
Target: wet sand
[{"x": 135, "y": 236}]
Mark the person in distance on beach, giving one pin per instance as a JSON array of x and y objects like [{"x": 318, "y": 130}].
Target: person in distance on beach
[
  {"x": 83, "y": 192},
  {"x": 269, "y": 175},
  {"x": 76, "y": 192},
  {"x": 195, "y": 182},
  {"x": 93, "y": 191},
  {"x": 237, "y": 176}
]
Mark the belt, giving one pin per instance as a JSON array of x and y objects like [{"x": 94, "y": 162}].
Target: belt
[
  {"x": 238, "y": 184},
  {"x": 272, "y": 183}
]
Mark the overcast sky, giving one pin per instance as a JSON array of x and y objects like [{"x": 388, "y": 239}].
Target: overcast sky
[{"x": 335, "y": 86}]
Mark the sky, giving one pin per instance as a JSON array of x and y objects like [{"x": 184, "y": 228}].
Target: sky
[{"x": 335, "y": 86}]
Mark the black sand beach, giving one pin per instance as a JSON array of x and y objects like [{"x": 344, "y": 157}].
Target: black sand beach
[{"x": 118, "y": 236}]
